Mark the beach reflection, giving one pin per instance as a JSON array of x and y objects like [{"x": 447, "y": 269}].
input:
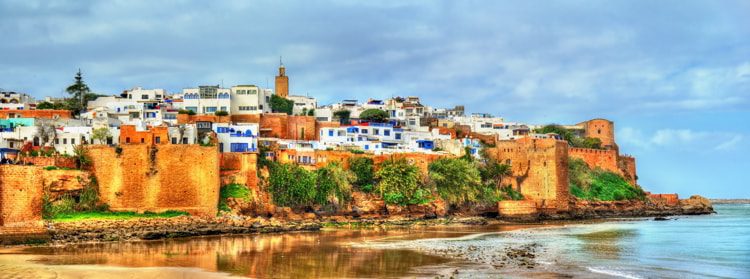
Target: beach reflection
[
  {"x": 311, "y": 254},
  {"x": 607, "y": 244}
]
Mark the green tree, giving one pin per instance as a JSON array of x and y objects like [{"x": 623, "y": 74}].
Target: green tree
[
  {"x": 456, "y": 180},
  {"x": 100, "y": 134},
  {"x": 374, "y": 115},
  {"x": 334, "y": 185},
  {"x": 311, "y": 112},
  {"x": 291, "y": 185},
  {"x": 48, "y": 105},
  {"x": 343, "y": 115},
  {"x": 221, "y": 113},
  {"x": 78, "y": 91},
  {"x": 363, "y": 169},
  {"x": 280, "y": 104},
  {"x": 557, "y": 129},
  {"x": 400, "y": 183}
]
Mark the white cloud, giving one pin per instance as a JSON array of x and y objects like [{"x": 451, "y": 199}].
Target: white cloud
[{"x": 679, "y": 139}]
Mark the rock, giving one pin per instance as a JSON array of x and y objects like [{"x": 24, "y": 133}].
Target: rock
[
  {"x": 696, "y": 205},
  {"x": 309, "y": 216},
  {"x": 661, "y": 219}
]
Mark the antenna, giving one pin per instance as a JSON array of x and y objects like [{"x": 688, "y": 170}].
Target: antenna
[{"x": 280, "y": 63}]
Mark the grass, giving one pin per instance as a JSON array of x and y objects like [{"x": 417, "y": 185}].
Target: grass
[
  {"x": 233, "y": 190},
  {"x": 600, "y": 185},
  {"x": 107, "y": 215}
]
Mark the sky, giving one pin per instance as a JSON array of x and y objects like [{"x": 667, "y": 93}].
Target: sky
[{"x": 674, "y": 76}]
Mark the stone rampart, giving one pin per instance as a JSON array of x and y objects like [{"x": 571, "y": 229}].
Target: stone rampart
[
  {"x": 54, "y": 161},
  {"x": 240, "y": 168},
  {"x": 522, "y": 208},
  {"x": 158, "y": 178},
  {"x": 539, "y": 170},
  {"x": 21, "y": 204}
]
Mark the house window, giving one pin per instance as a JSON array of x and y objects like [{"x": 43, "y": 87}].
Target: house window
[
  {"x": 143, "y": 140},
  {"x": 65, "y": 141},
  {"x": 127, "y": 140},
  {"x": 57, "y": 141},
  {"x": 387, "y": 132},
  {"x": 398, "y": 136},
  {"x": 72, "y": 141},
  {"x": 144, "y": 97},
  {"x": 375, "y": 132},
  {"x": 364, "y": 131},
  {"x": 174, "y": 140},
  {"x": 330, "y": 133},
  {"x": 157, "y": 139},
  {"x": 184, "y": 141}
]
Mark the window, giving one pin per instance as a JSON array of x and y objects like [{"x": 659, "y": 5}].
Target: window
[
  {"x": 209, "y": 109},
  {"x": 412, "y": 122},
  {"x": 157, "y": 139},
  {"x": 143, "y": 140},
  {"x": 375, "y": 132},
  {"x": 57, "y": 141},
  {"x": 223, "y": 109},
  {"x": 364, "y": 131},
  {"x": 127, "y": 140},
  {"x": 65, "y": 141},
  {"x": 194, "y": 109},
  {"x": 398, "y": 136},
  {"x": 330, "y": 132},
  {"x": 72, "y": 141},
  {"x": 174, "y": 140},
  {"x": 184, "y": 141},
  {"x": 387, "y": 132},
  {"x": 144, "y": 97}
]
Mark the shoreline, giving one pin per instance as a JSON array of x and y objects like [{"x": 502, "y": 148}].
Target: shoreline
[{"x": 98, "y": 231}]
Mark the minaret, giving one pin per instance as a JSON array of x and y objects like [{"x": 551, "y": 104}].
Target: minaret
[{"x": 282, "y": 81}]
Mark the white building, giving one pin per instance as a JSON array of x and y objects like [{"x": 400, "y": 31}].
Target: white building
[
  {"x": 237, "y": 138},
  {"x": 302, "y": 104},
  {"x": 250, "y": 99},
  {"x": 206, "y": 99}
]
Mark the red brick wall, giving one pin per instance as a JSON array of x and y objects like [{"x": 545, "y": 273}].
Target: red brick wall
[
  {"x": 240, "y": 168},
  {"x": 129, "y": 135},
  {"x": 280, "y": 125},
  {"x": 20, "y": 196},
  {"x": 42, "y": 113},
  {"x": 668, "y": 199},
  {"x": 62, "y": 162},
  {"x": 596, "y": 158},
  {"x": 190, "y": 119},
  {"x": 175, "y": 177}
]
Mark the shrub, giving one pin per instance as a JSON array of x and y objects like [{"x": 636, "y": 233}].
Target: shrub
[
  {"x": 291, "y": 185},
  {"x": 334, "y": 185},
  {"x": 400, "y": 183},
  {"x": 456, "y": 180},
  {"x": 221, "y": 113},
  {"x": 280, "y": 104},
  {"x": 374, "y": 115},
  {"x": 232, "y": 190},
  {"x": 599, "y": 184},
  {"x": 343, "y": 116},
  {"x": 363, "y": 169}
]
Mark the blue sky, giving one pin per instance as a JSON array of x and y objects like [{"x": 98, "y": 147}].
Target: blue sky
[{"x": 673, "y": 75}]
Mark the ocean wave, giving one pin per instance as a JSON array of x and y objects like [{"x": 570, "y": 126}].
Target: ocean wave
[{"x": 611, "y": 272}]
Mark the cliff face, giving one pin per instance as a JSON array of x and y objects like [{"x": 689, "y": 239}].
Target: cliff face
[{"x": 581, "y": 209}]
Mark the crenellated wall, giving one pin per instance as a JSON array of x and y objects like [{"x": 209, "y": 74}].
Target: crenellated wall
[
  {"x": 539, "y": 170},
  {"x": 145, "y": 177}
]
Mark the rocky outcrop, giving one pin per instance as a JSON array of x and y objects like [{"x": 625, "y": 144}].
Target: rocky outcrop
[
  {"x": 157, "y": 228},
  {"x": 582, "y": 209}
]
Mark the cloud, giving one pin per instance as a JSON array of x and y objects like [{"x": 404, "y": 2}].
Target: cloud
[{"x": 680, "y": 139}]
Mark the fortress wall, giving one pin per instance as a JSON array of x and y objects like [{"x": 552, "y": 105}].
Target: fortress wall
[
  {"x": 150, "y": 178},
  {"x": 21, "y": 196},
  {"x": 240, "y": 168},
  {"x": 539, "y": 170}
]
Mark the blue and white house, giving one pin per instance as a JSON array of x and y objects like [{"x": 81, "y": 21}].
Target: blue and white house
[{"x": 237, "y": 138}]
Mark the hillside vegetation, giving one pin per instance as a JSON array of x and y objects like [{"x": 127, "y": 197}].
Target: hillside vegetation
[{"x": 599, "y": 185}]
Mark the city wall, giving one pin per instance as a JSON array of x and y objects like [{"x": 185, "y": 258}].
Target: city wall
[
  {"x": 281, "y": 125},
  {"x": 141, "y": 177},
  {"x": 325, "y": 157},
  {"x": 42, "y": 113},
  {"x": 21, "y": 204},
  {"x": 607, "y": 159},
  {"x": 240, "y": 168}
]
